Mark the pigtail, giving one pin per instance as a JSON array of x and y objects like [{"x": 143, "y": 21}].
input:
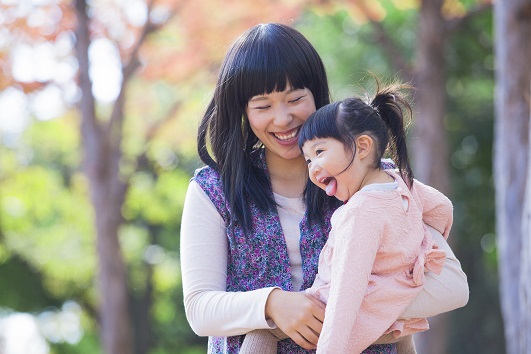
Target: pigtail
[{"x": 394, "y": 109}]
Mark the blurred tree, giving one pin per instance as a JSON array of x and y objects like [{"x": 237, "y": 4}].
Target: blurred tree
[
  {"x": 44, "y": 197},
  {"x": 512, "y": 168}
]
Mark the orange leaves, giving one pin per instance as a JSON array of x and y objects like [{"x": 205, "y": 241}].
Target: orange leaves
[
  {"x": 192, "y": 39},
  {"x": 197, "y": 37},
  {"x": 44, "y": 21}
]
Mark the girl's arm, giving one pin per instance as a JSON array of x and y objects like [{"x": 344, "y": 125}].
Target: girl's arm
[
  {"x": 355, "y": 246},
  {"x": 210, "y": 309},
  {"x": 437, "y": 209}
]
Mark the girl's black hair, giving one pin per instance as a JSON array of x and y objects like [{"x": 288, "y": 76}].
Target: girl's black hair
[
  {"x": 382, "y": 118},
  {"x": 266, "y": 58}
]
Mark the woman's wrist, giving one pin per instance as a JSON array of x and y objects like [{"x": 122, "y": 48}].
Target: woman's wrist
[{"x": 270, "y": 303}]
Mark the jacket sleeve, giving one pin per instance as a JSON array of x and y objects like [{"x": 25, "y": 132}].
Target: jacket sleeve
[{"x": 437, "y": 209}]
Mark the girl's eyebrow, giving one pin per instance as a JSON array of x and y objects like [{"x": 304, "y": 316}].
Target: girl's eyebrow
[{"x": 318, "y": 142}]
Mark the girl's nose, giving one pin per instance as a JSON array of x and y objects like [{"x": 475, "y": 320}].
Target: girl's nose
[{"x": 314, "y": 169}]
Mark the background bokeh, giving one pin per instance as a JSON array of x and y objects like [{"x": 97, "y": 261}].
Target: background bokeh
[{"x": 50, "y": 295}]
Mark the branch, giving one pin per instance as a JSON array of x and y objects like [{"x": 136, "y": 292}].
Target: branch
[
  {"x": 117, "y": 115},
  {"x": 397, "y": 59},
  {"x": 90, "y": 128},
  {"x": 454, "y": 24},
  {"x": 170, "y": 114},
  {"x": 142, "y": 161}
]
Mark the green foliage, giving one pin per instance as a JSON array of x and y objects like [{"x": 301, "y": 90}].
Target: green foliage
[
  {"x": 40, "y": 213},
  {"x": 47, "y": 237},
  {"x": 478, "y": 327},
  {"x": 88, "y": 344}
]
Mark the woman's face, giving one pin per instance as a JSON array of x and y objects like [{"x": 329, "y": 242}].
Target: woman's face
[{"x": 276, "y": 119}]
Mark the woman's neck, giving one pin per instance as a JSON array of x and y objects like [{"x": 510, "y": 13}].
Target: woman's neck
[{"x": 288, "y": 177}]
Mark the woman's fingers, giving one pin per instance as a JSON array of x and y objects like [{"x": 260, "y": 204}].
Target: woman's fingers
[
  {"x": 310, "y": 336},
  {"x": 301, "y": 341},
  {"x": 297, "y": 315}
]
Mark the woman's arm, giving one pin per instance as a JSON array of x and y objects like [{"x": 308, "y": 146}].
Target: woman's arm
[
  {"x": 441, "y": 293},
  {"x": 405, "y": 345},
  {"x": 210, "y": 309}
]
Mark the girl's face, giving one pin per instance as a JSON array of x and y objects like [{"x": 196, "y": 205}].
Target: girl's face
[
  {"x": 276, "y": 119},
  {"x": 327, "y": 161}
]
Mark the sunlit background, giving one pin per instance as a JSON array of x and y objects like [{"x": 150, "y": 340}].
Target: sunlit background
[{"x": 49, "y": 294}]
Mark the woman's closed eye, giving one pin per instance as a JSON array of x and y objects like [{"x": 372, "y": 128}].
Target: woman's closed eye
[
  {"x": 296, "y": 99},
  {"x": 261, "y": 108}
]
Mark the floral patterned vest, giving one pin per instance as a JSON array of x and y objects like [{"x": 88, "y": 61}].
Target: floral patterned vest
[{"x": 260, "y": 259}]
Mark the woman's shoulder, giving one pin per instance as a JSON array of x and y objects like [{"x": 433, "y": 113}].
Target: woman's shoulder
[
  {"x": 209, "y": 180},
  {"x": 206, "y": 174}
]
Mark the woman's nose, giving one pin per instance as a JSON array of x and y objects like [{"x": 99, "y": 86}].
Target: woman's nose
[{"x": 283, "y": 117}]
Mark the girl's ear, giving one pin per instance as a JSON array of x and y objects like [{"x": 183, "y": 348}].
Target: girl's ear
[{"x": 364, "y": 146}]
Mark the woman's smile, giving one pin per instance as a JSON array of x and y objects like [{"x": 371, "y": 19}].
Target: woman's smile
[{"x": 288, "y": 137}]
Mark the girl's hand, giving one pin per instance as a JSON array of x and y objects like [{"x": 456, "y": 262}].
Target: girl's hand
[{"x": 298, "y": 315}]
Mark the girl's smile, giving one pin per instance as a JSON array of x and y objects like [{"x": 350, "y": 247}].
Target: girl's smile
[{"x": 331, "y": 167}]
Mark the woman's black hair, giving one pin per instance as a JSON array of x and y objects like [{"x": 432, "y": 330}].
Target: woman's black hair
[
  {"x": 266, "y": 58},
  {"x": 382, "y": 118}
]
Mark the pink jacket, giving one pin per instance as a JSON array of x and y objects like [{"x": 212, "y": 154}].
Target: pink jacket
[{"x": 374, "y": 261}]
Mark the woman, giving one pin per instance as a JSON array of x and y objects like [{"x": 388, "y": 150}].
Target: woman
[{"x": 252, "y": 227}]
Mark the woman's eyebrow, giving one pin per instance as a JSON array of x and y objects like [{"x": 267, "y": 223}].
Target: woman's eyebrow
[
  {"x": 262, "y": 97},
  {"x": 258, "y": 98}
]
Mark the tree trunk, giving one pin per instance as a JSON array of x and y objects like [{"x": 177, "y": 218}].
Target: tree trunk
[
  {"x": 512, "y": 171},
  {"x": 101, "y": 162},
  {"x": 429, "y": 145}
]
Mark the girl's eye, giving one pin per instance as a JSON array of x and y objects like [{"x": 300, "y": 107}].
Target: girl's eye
[
  {"x": 318, "y": 152},
  {"x": 261, "y": 108},
  {"x": 308, "y": 161}
]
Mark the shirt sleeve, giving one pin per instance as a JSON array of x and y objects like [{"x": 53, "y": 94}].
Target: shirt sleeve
[
  {"x": 210, "y": 309},
  {"x": 441, "y": 293}
]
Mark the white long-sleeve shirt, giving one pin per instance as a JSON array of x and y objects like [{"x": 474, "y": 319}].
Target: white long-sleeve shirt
[{"x": 212, "y": 311}]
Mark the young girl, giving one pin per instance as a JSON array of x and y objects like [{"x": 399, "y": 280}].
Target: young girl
[{"x": 373, "y": 264}]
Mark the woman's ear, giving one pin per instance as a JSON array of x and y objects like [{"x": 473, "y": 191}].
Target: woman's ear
[{"x": 364, "y": 146}]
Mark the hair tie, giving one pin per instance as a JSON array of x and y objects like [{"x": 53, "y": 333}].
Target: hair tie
[{"x": 374, "y": 106}]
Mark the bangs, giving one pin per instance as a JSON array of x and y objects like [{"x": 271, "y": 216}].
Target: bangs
[
  {"x": 268, "y": 61},
  {"x": 321, "y": 124}
]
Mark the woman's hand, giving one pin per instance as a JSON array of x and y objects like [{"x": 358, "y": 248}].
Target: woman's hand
[{"x": 298, "y": 315}]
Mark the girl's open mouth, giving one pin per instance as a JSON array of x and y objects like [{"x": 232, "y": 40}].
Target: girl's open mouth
[{"x": 331, "y": 185}]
